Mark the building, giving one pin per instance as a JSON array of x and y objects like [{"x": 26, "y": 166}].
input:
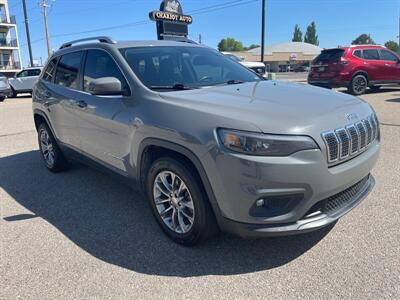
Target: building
[
  {"x": 278, "y": 57},
  {"x": 10, "y": 55}
]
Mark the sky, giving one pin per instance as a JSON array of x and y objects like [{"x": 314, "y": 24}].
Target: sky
[{"x": 338, "y": 21}]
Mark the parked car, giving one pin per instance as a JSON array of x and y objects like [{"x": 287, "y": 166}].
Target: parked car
[
  {"x": 5, "y": 89},
  {"x": 212, "y": 145},
  {"x": 302, "y": 68},
  {"x": 355, "y": 67},
  {"x": 257, "y": 67},
  {"x": 24, "y": 81}
]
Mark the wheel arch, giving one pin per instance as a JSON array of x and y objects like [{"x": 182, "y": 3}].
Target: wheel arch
[
  {"x": 361, "y": 72},
  {"x": 39, "y": 116},
  {"x": 146, "y": 156}
]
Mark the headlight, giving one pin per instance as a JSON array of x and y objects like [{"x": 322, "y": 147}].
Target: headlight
[{"x": 264, "y": 144}]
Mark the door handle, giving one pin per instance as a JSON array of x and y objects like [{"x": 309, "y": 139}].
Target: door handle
[{"x": 82, "y": 104}]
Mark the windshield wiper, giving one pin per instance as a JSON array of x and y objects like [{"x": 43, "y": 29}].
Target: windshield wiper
[{"x": 177, "y": 87}]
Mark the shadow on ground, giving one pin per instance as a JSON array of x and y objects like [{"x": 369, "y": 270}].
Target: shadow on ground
[{"x": 113, "y": 223}]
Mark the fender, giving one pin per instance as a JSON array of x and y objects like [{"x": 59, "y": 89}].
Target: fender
[
  {"x": 192, "y": 157},
  {"x": 41, "y": 113}
]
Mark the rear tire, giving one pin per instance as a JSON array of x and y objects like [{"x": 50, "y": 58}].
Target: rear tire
[
  {"x": 53, "y": 158},
  {"x": 358, "y": 85},
  {"x": 178, "y": 202}
]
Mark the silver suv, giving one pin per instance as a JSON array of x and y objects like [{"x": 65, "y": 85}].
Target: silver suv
[{"x": 214, "y": 146}]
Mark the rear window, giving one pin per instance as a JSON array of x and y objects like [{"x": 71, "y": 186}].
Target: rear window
[
  {"x": 371, "y": 54},
  {"x": 330, "y": 55}
]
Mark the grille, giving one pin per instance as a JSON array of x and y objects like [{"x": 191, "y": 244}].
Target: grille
[
  {"x": 334, "y": 203},
  {"x": 351, "y": 140}
]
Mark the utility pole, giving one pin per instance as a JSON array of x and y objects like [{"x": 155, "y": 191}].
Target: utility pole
[
  {"x": 46, "y": 26},
  {"x": 28, "y": 36},
  {"x": 263, "y": 31},
  {"x": 199, "y": 38}
]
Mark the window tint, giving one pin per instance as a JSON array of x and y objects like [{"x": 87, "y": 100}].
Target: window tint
[
  {"x": 68, "y": 70},
  {"x": 100, "y": 64},
  {"x": 49, "y": 71},
  {"x": 358, "y": 53},
  {"x": 387, "y": 55},
  {"x": 330, "y": 55},
  {"x": 371, "y": 54},
  {"x": 23, "y": 74},
  {"x": 34, "y": 72}
]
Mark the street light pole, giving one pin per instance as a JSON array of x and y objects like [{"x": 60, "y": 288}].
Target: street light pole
[
  {"x": 263, "y": 31},
  {"x": 46, "y": 26},
  {"x": 28, "y": 36}
]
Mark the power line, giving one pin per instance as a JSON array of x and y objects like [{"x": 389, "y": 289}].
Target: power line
[{"x": 203, "y": 10}]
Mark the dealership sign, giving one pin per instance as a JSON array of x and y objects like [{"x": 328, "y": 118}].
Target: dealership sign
[{"x": 171, "y": 22}]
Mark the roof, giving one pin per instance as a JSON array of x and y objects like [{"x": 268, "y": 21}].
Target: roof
[
  {"x": 153, "y": 43},
  {"x": 290, "y": 47}
]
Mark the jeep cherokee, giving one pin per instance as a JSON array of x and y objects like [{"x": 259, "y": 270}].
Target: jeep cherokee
[{"x": 213, "y": 145}]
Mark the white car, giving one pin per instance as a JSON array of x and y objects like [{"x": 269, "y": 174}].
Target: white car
[
  {"x": 257, "y": 67},
  {"x": 24, "y": 81}
]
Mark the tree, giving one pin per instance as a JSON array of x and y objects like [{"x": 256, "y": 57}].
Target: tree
[
  {"x": 363, "y": 39},
  {"x": 311, "y": 36},
  {"x": 392, "y": 45},
  {"x": 230, "y": 44},
  {"x": 297, "y": 34}
]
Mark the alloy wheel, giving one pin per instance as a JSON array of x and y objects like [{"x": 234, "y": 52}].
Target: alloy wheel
[
  {"x": 174, "y": 202},
  {"x": 47, "y": 148},
  {"x": 360, "y": 84}
]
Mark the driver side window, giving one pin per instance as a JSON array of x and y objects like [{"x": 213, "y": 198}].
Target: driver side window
[
  {"x": 22, "y": 74},
  {"x": 100, "y": 64}
]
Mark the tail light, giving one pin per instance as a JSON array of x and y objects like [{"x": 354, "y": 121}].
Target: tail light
[{"x": 342, "y": 62}]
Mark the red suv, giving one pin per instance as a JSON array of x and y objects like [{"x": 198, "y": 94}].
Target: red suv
[{"x": 355, "y": 67}]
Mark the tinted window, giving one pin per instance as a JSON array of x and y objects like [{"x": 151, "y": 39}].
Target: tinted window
[
  {"x": 100, "y": 64},
  {"x": 192, "y": 67},
  {"x": 34, "y": 72},
  {"x": 330, "y": 55},
  {"x": 23, "y": 74},
  {"x": 387, "y": 55},
  {"x": 371, "y": 54},
  {"x": 358, "y": 53},
  {"x": 49, "y": 71},
  {"x": 68, "y": 70}
]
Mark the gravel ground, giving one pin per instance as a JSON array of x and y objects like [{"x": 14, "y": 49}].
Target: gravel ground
[{"x": 82, "y": 234}]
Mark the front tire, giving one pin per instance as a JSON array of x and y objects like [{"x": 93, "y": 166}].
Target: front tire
[
  {"x": 53, "y": 158},
  {"x": 2, "y": 98},
  {"x": 358, "y": 85},
  {"x": 178, "y": 202},
  {"x": 13, "y": 94}
]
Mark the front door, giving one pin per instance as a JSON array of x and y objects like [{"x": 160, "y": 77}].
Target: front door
[
  {"x": 391, "y": 64},
  {"x": 105, "y": 130}
]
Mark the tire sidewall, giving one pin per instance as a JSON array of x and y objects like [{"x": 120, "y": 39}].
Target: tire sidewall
[
  {"x": 59, "y": 161},
  {"x": 168, "y": 164},
  {"x": 353, "y": 91}
]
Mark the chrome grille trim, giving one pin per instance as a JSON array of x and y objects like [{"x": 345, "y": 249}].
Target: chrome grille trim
[
  {"x": 332, "y": 146},
  {"x": 351, "y": 140}
]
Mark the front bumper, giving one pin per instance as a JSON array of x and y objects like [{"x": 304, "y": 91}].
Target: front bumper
[
  {"x": 312, "y": 222},
  {"x": 291, "y": 185},
  {"x": 5, "y": 92}
]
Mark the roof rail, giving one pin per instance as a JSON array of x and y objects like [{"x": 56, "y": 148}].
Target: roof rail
[
  {"x": 367, "y": 45},
  {"x": 101, "y": 39}
]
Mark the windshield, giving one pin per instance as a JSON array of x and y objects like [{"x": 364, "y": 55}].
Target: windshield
[{"x": 189, "y": 67}]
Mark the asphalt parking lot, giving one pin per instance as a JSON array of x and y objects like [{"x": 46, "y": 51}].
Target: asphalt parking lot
[{"x": 82, "y": 234}]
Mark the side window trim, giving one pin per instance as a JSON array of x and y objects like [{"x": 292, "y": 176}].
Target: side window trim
[{"x": 129, "y": 92}]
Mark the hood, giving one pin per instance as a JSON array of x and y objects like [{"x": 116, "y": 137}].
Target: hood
[{"x": 276, "y": 107}]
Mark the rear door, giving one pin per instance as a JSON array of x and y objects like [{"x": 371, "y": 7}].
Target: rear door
[
  {"x": 373, "y": 65},
  {"x": 63, "y": 98},
  {"x": 391, "y": 65}
]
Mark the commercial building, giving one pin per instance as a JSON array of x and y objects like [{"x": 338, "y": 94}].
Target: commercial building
[
  {"x": 283, "y": 56},
  {"x": 10, "y": 55}
]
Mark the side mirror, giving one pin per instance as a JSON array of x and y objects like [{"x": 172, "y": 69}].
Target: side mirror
[{"x": 106, "y": 86}]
